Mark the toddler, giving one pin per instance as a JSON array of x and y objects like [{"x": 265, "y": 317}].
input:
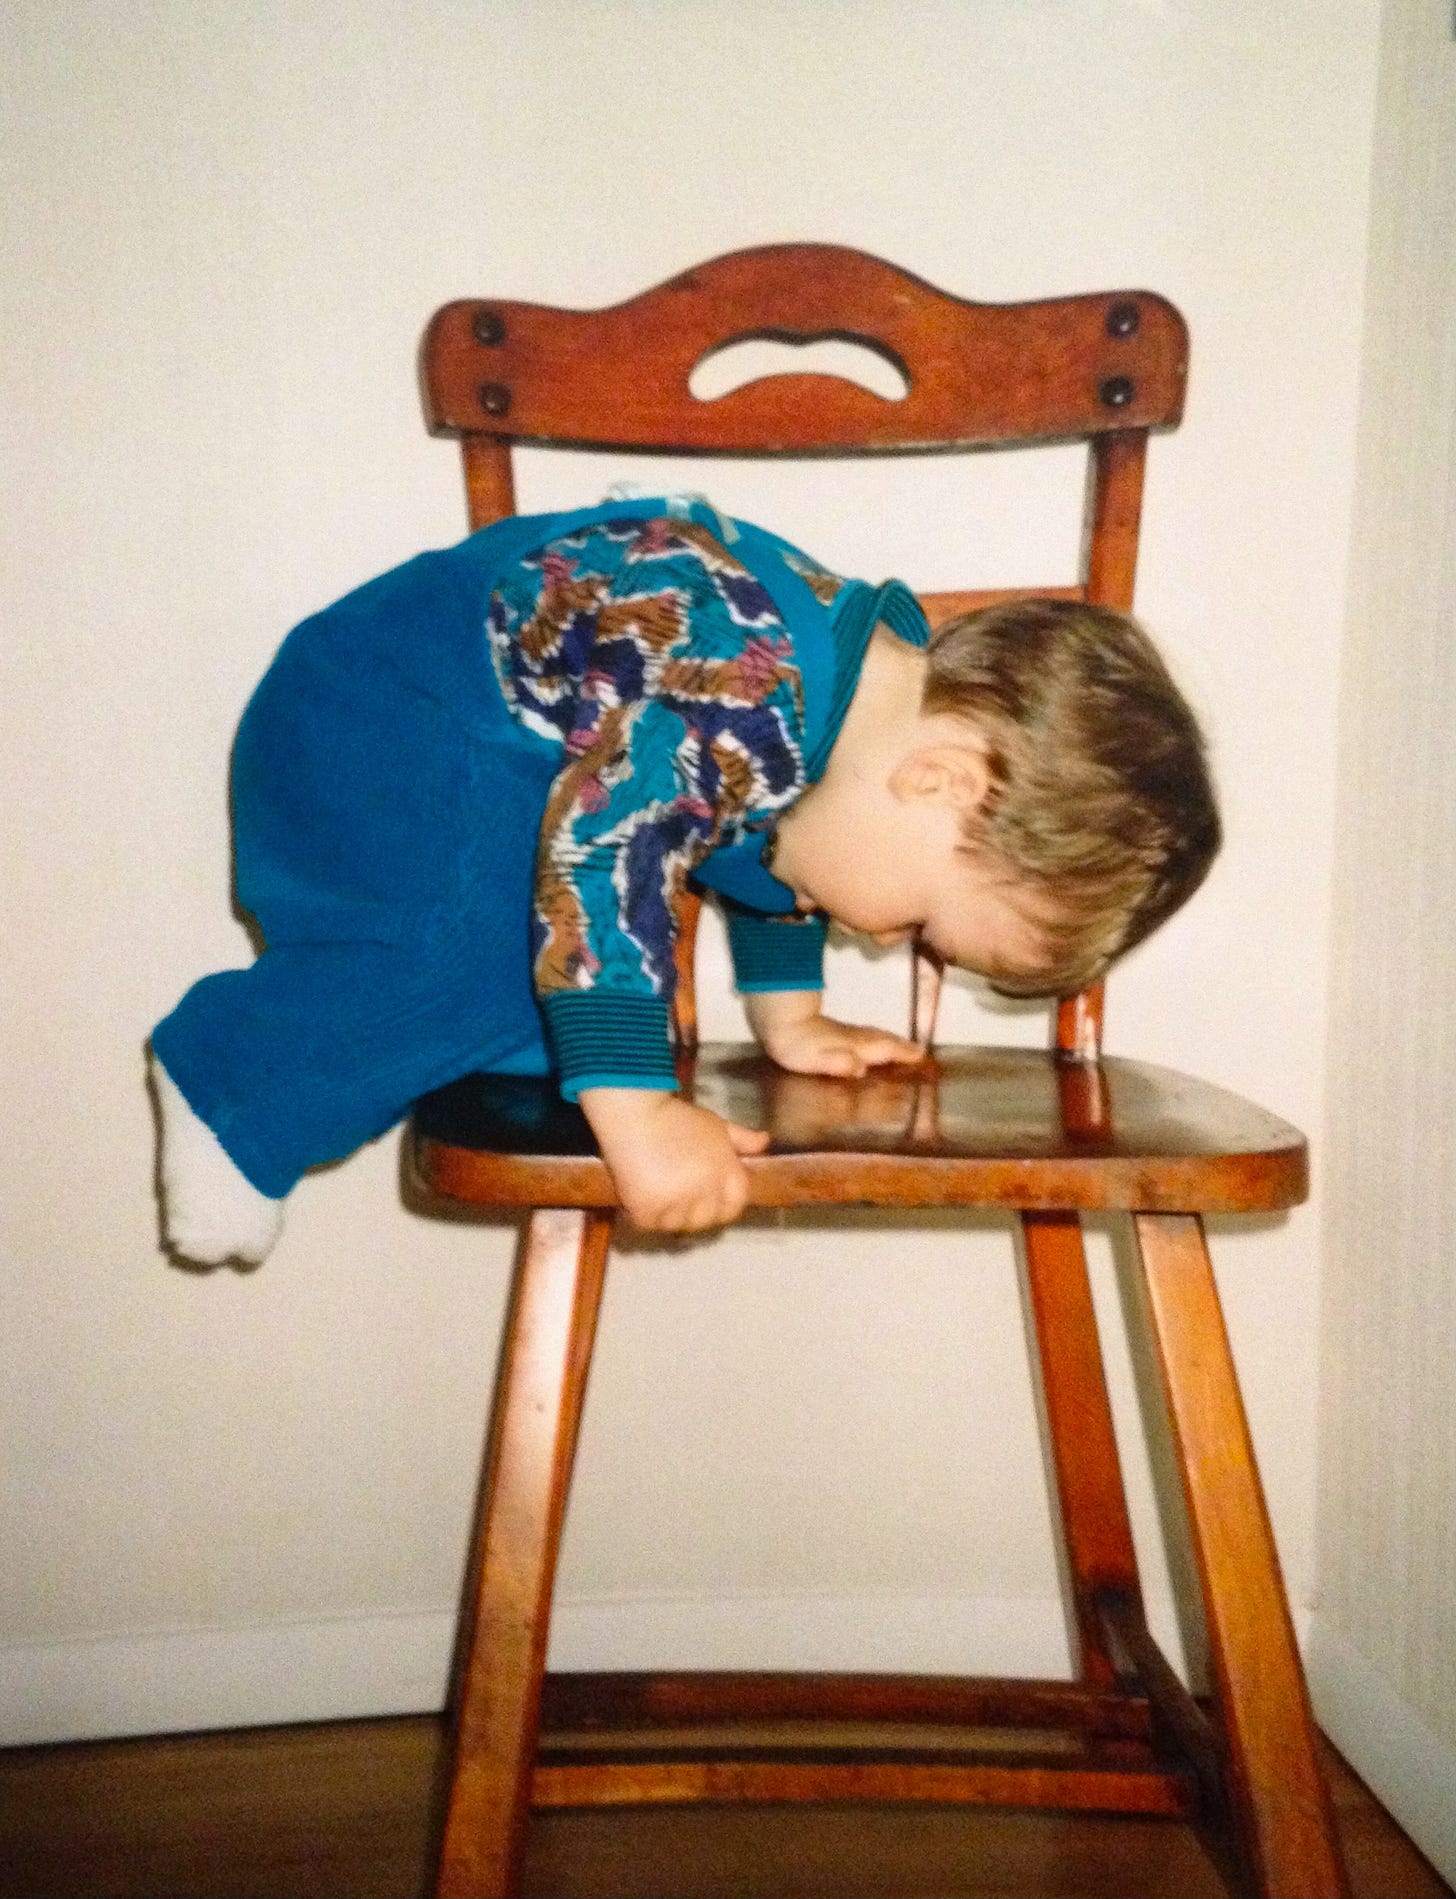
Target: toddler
[{"x": 468, "y": 799}]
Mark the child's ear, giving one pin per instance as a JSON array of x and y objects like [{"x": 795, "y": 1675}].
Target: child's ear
[{"x": 954, "y": 775}]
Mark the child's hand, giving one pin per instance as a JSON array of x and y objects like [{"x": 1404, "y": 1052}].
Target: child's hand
[
  {"x": 792, "y": 1029},
  {"x": 677, "y": 1168}
]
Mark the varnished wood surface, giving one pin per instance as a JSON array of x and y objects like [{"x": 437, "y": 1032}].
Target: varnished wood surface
[
  {"x": 1114, "y": 514},
  {"x": 1274, "y": 1781},
  {"x": 622, "y": 1701},
  {"x": 975, "y": 1126},
  {"x": 978, "y": 373},
  {"x": 669, "y": 1738},
  {"x": 1081, "y": 1446},
  {"x": 549, "y": 1340},
  {"x": 345, "y": 1811},
  {"x": 1084, "y": 1785}
]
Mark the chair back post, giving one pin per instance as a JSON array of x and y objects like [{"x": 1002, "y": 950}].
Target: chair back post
[
  {"x": 685, "y": 957},
  {"x": 927, "y": 974},
  {"x": 1112, "y": 516},
  {"x": 1111, "y": 520},
  {"x": 490, "y": 484}
]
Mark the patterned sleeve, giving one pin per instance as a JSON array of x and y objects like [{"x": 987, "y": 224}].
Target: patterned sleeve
[{"x": 685, "y": 724}]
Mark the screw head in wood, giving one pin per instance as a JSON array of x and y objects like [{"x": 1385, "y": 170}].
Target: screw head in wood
[
  {"x": 488, "y": 327},
  {"x": 1123, "y": 319},
  {"x": 1117, "y": 392},
  {"x": 495, "y": 398}
]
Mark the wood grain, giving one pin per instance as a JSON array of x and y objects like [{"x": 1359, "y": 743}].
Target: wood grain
[
  {"x": 1096, "y": 1531},
  {"x": 533, "y": 1441},
  {"x": 973, "y": 1127},
  {"x": 978, "y": 373},
  {"x": 1276, "y": 1788}
]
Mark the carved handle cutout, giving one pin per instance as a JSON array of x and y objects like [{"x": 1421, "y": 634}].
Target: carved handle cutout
[{"x": 744, "y": 359}]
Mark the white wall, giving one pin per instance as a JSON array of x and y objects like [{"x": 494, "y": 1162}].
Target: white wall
[
  {"x": 245, "y": 1498},
  {"x": 1384, "y": 1650}
]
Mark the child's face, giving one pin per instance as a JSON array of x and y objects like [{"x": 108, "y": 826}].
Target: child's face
[
  {"x": 979, "y": 921},
  {"x": 901, "y": 882},
  {"x": 880, "y": 843}
]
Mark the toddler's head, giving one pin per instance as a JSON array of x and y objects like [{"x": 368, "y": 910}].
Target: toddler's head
[{"x": 1100, "y": 805}]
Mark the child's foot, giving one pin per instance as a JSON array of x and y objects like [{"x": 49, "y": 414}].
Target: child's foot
[{"x": 210, "y": 1212}]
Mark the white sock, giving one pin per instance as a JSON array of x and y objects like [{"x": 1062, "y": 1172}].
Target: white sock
[{"x": 210, "y": 1212}]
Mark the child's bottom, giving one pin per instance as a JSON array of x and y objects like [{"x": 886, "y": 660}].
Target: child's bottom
[
  {"x": 386, "y": 809},
  {"x": 322, "y": 1046}
]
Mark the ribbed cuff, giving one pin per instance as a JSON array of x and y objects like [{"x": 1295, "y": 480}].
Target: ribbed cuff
[
  {"x": 772, "y": 952},
  {"x": 602, "y": 1038}
]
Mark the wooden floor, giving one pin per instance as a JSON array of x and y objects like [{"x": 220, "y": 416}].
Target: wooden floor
[{"x": 344, "y": 1812}]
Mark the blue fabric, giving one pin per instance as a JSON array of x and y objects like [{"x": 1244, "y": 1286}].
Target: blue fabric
[
  {"x": 625, "y": 1045},
  {"x": 386, "y": 809},
  {"x": 385, "y": 814},
  {"x": 775, "y": 952}
]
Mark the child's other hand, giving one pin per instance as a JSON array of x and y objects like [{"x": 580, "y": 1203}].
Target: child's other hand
[
  {"x": 677, "y": 1168},
  {"x": 794, "y": 1031}
]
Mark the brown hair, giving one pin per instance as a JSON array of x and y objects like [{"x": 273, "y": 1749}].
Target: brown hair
[{"x": 1101, "y": 800}]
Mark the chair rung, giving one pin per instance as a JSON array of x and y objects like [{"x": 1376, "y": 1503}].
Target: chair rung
[
  {"x": 940, "y": 607},
  {"x": 1112, "y": 1788},
  {"x": 676, "y": 1699},
  {"x": 1123, "y": 1621}
]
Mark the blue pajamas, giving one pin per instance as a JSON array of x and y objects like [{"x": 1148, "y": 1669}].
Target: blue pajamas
[
  {"x": 385, "y": 828},
  {"x": 390, "y": 784}
]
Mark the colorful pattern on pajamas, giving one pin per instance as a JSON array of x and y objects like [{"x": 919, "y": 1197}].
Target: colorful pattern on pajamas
[{"x": 662, "y": 668}]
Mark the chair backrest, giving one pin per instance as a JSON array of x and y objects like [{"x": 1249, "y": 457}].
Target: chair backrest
[{"x": 1104, "y": 368}]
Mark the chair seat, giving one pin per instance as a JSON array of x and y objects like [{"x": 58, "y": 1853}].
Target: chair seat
[{"x": 1009, "y": 1127}]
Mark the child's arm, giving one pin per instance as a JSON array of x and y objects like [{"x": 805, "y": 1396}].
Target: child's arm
[
  {"x": 677, "y": 1168},
  {"x": 793, "y": 1029},
  {"x": 778, "y": 966}
]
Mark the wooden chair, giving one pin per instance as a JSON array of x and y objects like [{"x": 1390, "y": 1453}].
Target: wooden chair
[{"x": 1046, "y": 1134}]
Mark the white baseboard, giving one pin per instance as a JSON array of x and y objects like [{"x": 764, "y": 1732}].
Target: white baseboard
[
  {"x": 1408, "y": 1766},
  {"x": 180, "y": 1681}
]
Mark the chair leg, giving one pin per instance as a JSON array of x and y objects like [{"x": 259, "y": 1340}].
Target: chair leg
[
  {"x": 1277, "y": 1792},
  {"x": 533, "y": 1440},
  {"x": 1096, "y": 1530}
]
